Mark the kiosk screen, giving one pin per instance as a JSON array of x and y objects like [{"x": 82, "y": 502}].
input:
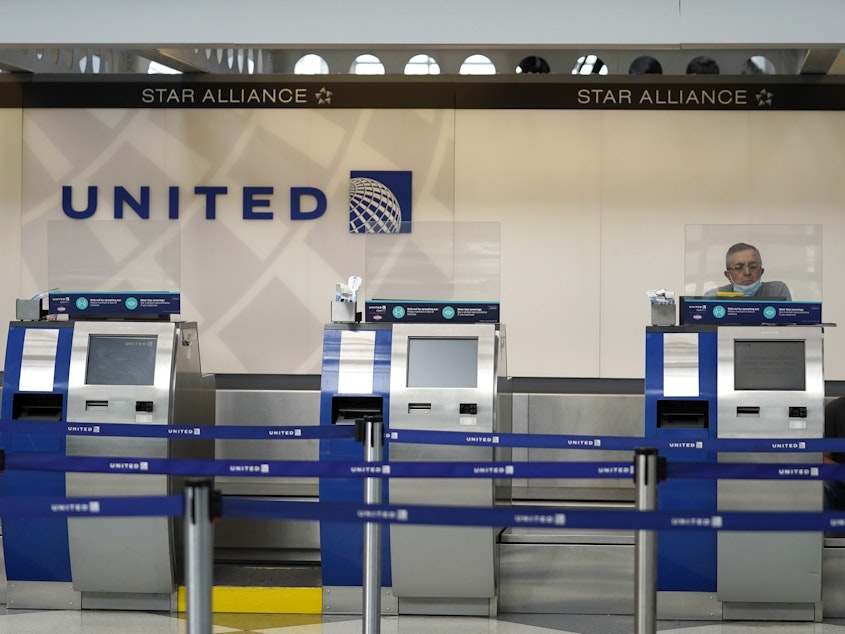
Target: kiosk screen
[
  {"x": 442, "y": 362},
  {"x": 769, "y": 365},
  {"x": 121, "y": 360}
]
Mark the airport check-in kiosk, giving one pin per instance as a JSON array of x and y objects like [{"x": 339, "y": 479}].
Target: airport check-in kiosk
[
  {"x": 771, "y": 385},
  {"x": 444, "y": 378},
  {"x": 438, "y": 377},
  {"x": 738, "y": 382},
  {"x": 88, "y": 373}
]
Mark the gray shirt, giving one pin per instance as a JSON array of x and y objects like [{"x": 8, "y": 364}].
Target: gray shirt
[{"x": 769, "y": 290}]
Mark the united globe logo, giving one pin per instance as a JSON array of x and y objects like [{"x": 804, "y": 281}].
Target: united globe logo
[
  {"x": 373, "y": 208},
  {"x": 380, "y": 202}
]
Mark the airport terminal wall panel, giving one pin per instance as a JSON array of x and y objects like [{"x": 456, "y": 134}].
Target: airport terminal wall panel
[{"x": 596, "y": 192}]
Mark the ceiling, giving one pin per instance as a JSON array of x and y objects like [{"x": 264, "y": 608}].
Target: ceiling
[
  {"x": 109, "y": 60},
  {"x": 271, "y": 36}
]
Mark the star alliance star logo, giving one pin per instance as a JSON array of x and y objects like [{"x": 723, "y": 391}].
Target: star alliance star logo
[
  {"x": 764, "y": 98},
  {"x": 323, "y": 96}
]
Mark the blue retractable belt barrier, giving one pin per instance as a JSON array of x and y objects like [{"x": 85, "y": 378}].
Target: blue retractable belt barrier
[
  {"x": 173, "y": 506},
  {"x": 533, "y": 516},
  {"x": 537, "y": 441},
  {"x": 133, "y": 430},
  {"x": 346, "y": 469},
  {"x": 140, "y": 506}
]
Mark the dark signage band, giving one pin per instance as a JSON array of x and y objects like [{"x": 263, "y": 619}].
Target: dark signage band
[{"x": 543, "y": 92}]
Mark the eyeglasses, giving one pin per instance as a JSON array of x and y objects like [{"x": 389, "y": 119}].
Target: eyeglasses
[{"x": 753, "y": 266}]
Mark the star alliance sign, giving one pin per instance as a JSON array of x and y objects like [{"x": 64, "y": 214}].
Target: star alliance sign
[
  {"x": 692, "y": 97},
  {"x": 227, "y": 96}
]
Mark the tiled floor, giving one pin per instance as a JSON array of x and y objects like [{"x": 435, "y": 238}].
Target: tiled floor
[{"x": 89, "y": 622}]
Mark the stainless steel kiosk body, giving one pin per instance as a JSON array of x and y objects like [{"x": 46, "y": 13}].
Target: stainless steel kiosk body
[
  {"x": 444, "y": 378},
  {"x": 145, "y": 372},
  {"x": 770, "y": 385}
]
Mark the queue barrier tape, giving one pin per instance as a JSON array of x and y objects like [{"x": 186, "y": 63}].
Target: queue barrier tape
[
  {"x": 534, "y": 517},
  {"x": 145, "y": 430},
  {"x": 754, "y": 471},
  {"x": 523, "y": 516},
  {"x": 618, "y": 443},
  {"x": 311, "y": 468},
  {"x": 510, "y": 440},
  {"x": 138, "y": 506},
  {"x": 353, "y": 469}
]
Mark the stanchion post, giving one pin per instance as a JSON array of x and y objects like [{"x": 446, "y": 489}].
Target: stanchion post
[
  {"x": 199, "y": 554},
  {"x": 373, "y": 438},
  {"x": 646, "y": 477}
]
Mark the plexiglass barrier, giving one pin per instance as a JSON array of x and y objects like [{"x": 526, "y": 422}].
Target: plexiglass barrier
[
  {"x": 114, "y": 256},
  {"x": 436, "y": 261},
  {"x": 773, "y": 261}
]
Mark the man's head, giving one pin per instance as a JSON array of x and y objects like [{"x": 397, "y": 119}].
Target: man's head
[{"x": 743, "y": 264}]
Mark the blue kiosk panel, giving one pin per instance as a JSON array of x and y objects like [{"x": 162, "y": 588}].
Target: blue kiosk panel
[
  {"x": 35, "y": 388},
  {"x": 355, "y": 382},
  {"x": 680, "y": 404}
]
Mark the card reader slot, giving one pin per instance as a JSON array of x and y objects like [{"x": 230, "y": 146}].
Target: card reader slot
[
  {"x": 96, "y": 405},
  {"x": 748, "y": 410},
  {"x": 419, "y": 407}
]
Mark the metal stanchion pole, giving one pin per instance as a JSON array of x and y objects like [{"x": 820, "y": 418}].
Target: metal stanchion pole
[
  {"x": 373, "y": 439},
  {"x": 199, "y": 555},
  {"x": 645, "y": 544}
]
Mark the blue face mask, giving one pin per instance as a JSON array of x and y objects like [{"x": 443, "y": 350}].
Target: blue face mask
[{"x": 750, "y": 289}]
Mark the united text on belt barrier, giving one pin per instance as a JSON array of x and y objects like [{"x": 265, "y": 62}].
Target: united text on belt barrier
[
  {"x": 614, "y": 443},
  {"x": 524, "y": 516},
  {"x": 345, "y": 469},
  {"x": 511, "y": 440},
  {"x": 309, "y": 468},
  {"x": 538, "y": 517},
  {"x": 138, "y": 506},
  {"x": 140, "y": 430}
]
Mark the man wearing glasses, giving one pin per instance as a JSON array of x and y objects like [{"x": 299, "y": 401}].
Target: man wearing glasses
[{"x": 744, "y": 270}]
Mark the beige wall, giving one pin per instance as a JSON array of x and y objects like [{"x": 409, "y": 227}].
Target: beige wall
[
  {"x": 593, "y": 207},
  {"x": 10, "y": 214}
]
